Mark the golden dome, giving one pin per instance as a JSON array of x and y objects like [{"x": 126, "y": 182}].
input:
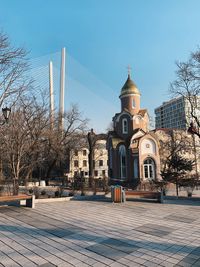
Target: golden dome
[{"x": 129, "y": 88}]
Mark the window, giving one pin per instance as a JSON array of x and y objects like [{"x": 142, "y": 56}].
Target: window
[
  {"x": 133, "y": 103},
  {"x": 76, "y": 152},
  {"x": 135, "y": 168},
  {"x": 95, "y": 173},
  {"x": 103, "y": 173},
  {"x": 122, "y": 156},
  {"x": 76, "y": 163},
  {"x": 100, "y": 163},
  {"x": 149, "y": 169},
  {"x": 84, "y": 163},
  {"x": 110, "y": 159},
  {"x": 84, "y": 152},
  {"x": 124, "y": 126},
  {"x": 75, "y": 173}
]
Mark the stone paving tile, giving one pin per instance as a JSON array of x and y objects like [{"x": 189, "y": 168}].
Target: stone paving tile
[
  {"x": 150, "y": 264},
  {"x": 154, "y": 229},
  {"x": 47, "y": 265},
  {"x": 119, "y": 245},
  {"x": 110, "y": 253},
  {"x": 167, "y": 264},
  {"x": 78, "y": 233},
  {"x": 180, "y": 218}
]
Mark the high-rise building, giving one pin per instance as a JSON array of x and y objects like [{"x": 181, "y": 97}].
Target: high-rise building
[{"x": 175, "y": 113}]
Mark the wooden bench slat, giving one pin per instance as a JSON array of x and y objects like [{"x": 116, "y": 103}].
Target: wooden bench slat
[
  {"x": 12, "y": 198},
  {"x": 143, "y": 194},
  {"x": 29, "y": 199}
]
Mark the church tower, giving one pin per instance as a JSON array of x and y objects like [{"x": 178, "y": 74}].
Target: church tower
[
  {"x": 131, "y": 117},
  {"x": 130, "y": 97},
  {"x": 133, "y": 151}
]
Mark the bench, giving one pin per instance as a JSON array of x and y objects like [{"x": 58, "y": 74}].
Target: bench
[
  {"x": 144, "y": 194},
  {"x": 29, "y": 199}
]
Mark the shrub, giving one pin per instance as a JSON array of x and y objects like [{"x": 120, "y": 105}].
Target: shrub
[
  {"x": 57, "y": 193},
  {"x": 30, "y": 191},
  {"x": 43, "y": 192},
  {"x": 36, "y": 192}
]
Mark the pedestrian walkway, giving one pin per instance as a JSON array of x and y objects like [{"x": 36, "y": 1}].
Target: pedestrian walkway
[{"x": 97, "y": 233}]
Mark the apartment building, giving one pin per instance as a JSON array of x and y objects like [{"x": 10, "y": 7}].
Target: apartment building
[
  {"x": 79, "y": 161},
  {"x": 174, "y": 114}
]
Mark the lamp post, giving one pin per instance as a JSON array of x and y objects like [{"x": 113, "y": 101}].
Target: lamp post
[
  {"x": 193, "y": 130},
  {"x": 81, "y": 177},
  {"x": 6, "y": 114},
  {"x": 91, "y": 141}
]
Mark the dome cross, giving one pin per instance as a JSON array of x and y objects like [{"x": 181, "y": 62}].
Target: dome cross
[{"x": 129, "y": 70}]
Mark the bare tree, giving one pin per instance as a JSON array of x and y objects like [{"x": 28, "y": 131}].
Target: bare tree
[
  {"x": 173, "y": 142},
  {"x": 13, "y": 66},
  {"x": 93, "y": 156},
  {"x": 22, "y": 139},
  {"x": 187, "y": 85},
  {"x": 59, "y": 143},
  {"x": 176, "y": 148}
]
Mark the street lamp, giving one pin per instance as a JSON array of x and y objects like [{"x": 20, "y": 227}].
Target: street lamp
[
  {"x": 91, "y": 137},
  {"x": 81, "y": 180},
  {"x": 6, "y": 113},
  {"x": 193, "y": 130}
]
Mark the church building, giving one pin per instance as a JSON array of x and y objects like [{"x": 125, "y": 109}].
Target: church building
[{"x": 133, "y": 151}]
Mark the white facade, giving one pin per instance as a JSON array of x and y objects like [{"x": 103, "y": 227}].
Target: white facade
[{"x": 79, "y": 161}]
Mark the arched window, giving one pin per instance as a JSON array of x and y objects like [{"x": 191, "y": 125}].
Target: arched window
[
  {"x": 149, "y": 168},
  {"x": 122, "y": 156},
  {"x": 135, "y": 168},
  {"x": 133, "y": 103},
  {"x": 110, "y": 155},
  {"x": 124, "y": 126}
]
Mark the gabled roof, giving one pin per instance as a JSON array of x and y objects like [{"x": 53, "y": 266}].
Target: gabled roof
[
  {"x": 142, "y": 112},
  {"x": 137, "y": 131}
]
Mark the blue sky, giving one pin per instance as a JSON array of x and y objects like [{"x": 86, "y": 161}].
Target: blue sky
[{"x": 102, "y": 37}]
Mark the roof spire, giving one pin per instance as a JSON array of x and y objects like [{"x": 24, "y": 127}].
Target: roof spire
[{"x": 129, "y": 71}]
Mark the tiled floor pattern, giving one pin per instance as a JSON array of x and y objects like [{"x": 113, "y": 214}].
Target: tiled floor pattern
[{"x": 97, "y": 233}]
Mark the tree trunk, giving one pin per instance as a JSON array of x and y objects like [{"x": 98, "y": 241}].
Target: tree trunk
[
  {"x": 177, "y": 187},
  {"x": 15, "y": 186},
  {"x": 50, "y": 168}
]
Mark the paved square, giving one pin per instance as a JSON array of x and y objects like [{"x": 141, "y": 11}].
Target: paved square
[{"x": 98, "y": 233}]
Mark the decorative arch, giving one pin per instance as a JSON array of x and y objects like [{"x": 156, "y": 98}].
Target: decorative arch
[
  {"x": 124, "y": 113},
  {"x": 148, "y": 146},
  {"x": 123, "y": 162}
]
